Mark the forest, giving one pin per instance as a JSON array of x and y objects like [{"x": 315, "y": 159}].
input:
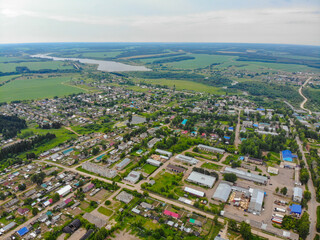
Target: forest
[
  {"x": 10, "y": 126},
  {"x": 270, "y": 90}
]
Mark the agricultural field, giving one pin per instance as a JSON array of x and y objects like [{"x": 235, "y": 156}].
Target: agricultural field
[
  {"x": 11, "y": 67},
  {"x": 263, "y": 66},
  {"x": 186, "y": 85},
  {"x": 26, "y": 89},
  {"x": 5, "y": 78},
  {"x": 201, "y": 61}
]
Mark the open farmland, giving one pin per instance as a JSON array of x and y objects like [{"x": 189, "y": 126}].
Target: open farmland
[
  {"x": 200, "y": 61},
  {"x": 186, "y": 85},
  {"x": 11, "y": 67},
  {"x": 26, "y": 89},
  {"x": 5, "y": 78}
]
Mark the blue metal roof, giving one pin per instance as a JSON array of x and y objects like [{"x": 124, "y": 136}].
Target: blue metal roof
[
  {"x": 23, "y": 231},
  {"x": 295, "y": 208}
]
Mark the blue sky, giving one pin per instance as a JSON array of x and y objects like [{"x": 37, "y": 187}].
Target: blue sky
[{"x": 252, "y": 21}]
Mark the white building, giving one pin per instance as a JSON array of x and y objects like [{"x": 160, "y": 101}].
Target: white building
[
  {"x": 153, "y": 162},
  {"x": 273, "y": 170},
  {"x": 64, "y": 191},
  {"x": 201, "y": 179},
  {"x": 297, "y": 194},
  {"x": 256, "y": 202},
  {"x": 211, "y": 149},
  {"x": 133, "y": 177},
  {"x": 194, "y": 192},
  {"x": 186, "y": 159}
]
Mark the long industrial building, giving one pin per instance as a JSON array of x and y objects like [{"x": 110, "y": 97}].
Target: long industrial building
[
  {"x": 186, "y": 159},
  {"x": 211, "y": 149},
  {"x": 256, "y": 202},
  {"x": 246, "y": 175},
  {"x": 201, "y": 179}
]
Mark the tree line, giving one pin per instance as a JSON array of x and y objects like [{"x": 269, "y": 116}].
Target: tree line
[{"x": 25, "y": 145}]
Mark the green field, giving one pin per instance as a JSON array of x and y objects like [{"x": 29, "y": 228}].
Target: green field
[
  {"x": 11, "y": 67},
  {"x": 105, "y": 211},
  {"x": 62, "y": 135},
  {"x": 257, "y": 66},
  {"x": 36, "y": 88},
  {"x": 5, "y": 78},
  {"x": 186, "y": 85},
  {"x": 201, "y": 61},
  {"x": 148, "y": 168},
  {"x": 211, "y": 166}
]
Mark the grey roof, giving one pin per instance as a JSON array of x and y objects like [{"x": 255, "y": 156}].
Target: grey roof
[
  {"x": 256, "y": 201},
  {"x": 124, "y": 197},
  {"x": 163, "y": 152},
  {"x": 297, "y": 192},
  {"x": 201, "y": 179},
  {"x": 133, "y": 176},
  {"x": 246, "y": 175},
  {"x": 222, "y": 192},
  {"x": 211, "y": 149},
  {"x": 123, "y": 163},
  {"x": 189, "y": 160}
]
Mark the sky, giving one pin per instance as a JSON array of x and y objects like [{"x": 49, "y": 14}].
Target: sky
[{"x": 237, "y": 21}]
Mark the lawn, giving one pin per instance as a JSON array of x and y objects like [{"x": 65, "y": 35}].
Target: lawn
[
  {"x": 105, "y": 211},
  {"x": 212, "y": 166},
  {"x": 151, "y": 225},
  {"x": 85, "y": 206},
  {"x": 148, "y": 168},
  {"x": 186, "y": 85},
  {"x": 166, "y": 183},
  {"x": 11, "y": 67},
  {"x": 26, "y": 89},
  {"x": 200, "y": 61}
]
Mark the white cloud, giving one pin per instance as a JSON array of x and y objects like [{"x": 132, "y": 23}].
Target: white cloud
[{"x": 277, "y": 25}]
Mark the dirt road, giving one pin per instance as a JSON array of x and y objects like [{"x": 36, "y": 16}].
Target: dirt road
[{"x": 305, "y": 99}]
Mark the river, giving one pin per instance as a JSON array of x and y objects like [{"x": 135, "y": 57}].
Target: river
[{"x": 105, "y": 66}]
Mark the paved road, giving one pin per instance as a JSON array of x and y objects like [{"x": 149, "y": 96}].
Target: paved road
[
  {"x": 312, "y": 205},
  {"x": 305, "y": 99}
]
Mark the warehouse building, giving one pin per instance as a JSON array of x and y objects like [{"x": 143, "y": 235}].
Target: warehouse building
[
  {"x": 132, "y": 177},
  {"x": 123, "y": 164},
  {"x": 186, "y": 159},
  {"x": 64, "y": 191},
  {"x": 153, "y": 162},
  {"x": 255, "y": 205},
  {"x": 175, "y": 168},
  {"x": 297, "y": 194},
  {"x": 273, "y": 170},
  {"x": 247, "y": 176},
  {"x": 194, "y": 192},
  {"x": 124, "y": 197},
  {"x": 163, "y": 152},
  {"x": 222, "y": 192},
  {"x": 201, "y": 179},
  {"x": 101, "y": 170},
  {"x": 211, "y": 149}
]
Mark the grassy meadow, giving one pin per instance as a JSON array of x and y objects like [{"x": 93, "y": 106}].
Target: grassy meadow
[
  {"x": 11, "y": 67},
  {"x": 26, "y": 89},
  {"x": 185, "y": 85}
]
